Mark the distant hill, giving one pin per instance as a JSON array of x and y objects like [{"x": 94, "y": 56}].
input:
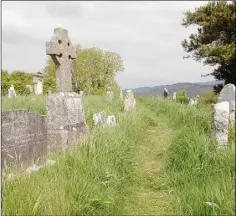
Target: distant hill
[{"x": 192, "y": 89}]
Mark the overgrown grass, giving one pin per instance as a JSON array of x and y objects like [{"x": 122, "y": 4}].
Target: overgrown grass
[
  {"x": 202, "y": 176},
  {"x": 92, "y": 178},
  {"x": 97, "y": 176},
  {"x": 31, "y": 103}
]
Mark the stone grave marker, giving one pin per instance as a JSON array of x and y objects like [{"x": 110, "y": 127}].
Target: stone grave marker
[
  {"x": 111, "y": 120},
  {"x": 129, "y": 102},
  {"x": 166, "y": 93},
  {"x": 38, "y": 83},
  {"x": 174, "y": 96},
  {"x": 11, "y": 92},
  {"x": 121, "y": 94},
  {"x": 228, "y": 94},
  {"x": 64, "y": 108},
  {"x": 99, "y": 118},
  {"x": 220, "y": 123}
]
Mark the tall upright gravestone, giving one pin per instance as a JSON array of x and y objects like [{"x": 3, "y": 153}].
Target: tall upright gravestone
[{"x": 64, "y": 108}]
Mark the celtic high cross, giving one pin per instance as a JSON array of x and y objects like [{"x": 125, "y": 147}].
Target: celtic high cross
[{"x": 63, "y": 53}]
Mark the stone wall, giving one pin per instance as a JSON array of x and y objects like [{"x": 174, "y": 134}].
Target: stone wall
[{"x": 24, "y": 138}]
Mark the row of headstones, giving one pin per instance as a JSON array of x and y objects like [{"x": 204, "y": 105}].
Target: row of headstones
[{"x": 101, "y": 118}]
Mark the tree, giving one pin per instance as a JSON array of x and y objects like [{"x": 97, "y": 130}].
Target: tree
[
  {"x": 214, "y": 42},
  {"x": 182, "y": 96},
  {"x": 92, "y": 69},
  {"x": 17, "y": 78},
  {"x": 49, "y": 79}
]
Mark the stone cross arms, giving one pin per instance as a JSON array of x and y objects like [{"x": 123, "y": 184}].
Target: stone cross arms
[{"x": 63, "y": 53}]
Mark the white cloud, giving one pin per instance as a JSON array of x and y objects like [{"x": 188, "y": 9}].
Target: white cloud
[{"x": 147, "y": 35}]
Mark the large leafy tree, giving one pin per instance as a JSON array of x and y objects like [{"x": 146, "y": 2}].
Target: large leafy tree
[
  {"x": 17, "y": 78},
  {"x": 93, "y": 70},
  {"x": 214, "y": 42}
]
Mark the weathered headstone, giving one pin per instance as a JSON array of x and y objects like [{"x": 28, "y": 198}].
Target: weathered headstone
[
  {"x": 111, "y": 120},
  {"x": 166, "y": 93},
  {"x": 129, "y": 102},
  {"x": 228, "y": 94},
  {"x": 38, "y": 83},
  {"x": 220, "y": 122},
  {"x": 81, "y": 93},
  {"x": 64, "y": 109},
  {"x": 11, "y": 92},
  {"x": 99, "y": 118},
  {"x": 174, "y": 96}
]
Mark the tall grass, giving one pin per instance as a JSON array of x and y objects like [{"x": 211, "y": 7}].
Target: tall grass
[
  {"x": 91, "y": 178},
  {"x": 202, "y": 176},
  {"x": 31, "y": 103}
]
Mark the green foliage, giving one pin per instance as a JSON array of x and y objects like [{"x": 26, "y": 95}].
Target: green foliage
[
  {"x": 182, "y": 96},
  {"x": 17, "y": 78},
  {"x": 199, "y": 172},
  {"x": 93, "y": 69},
  {"x": 208, "y": 96},
  {"x": 214, "y": 43}
]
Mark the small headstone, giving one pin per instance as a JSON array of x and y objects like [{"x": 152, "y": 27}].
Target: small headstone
[
  {"x": 191, "y": 102},
  {"x": 99, "y": 118},
  {"x": 111, "y": 120},
  {"x": 166, "y": 93},
  {"x": 121, "y": 94},
  {"x": 110, "y": 94},
  {"x": 81, "y": 93},
  {"x": 220, "y": 123},
  {"x": 11, "y": 92},
  {"x": 38, "y": 83},
  {"x": 130, "y": 102},
  {"x": 228, "y": 94},
  {"x": 174, "y": 96}
]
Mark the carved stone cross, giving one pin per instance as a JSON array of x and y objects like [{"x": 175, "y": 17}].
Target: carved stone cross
[{"x": 63, "y": 53}]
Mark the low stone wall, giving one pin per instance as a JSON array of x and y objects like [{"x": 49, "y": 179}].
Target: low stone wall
[{"x": 24, "y": 138}]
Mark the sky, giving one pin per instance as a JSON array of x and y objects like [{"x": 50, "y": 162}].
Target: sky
[{"x": 147, "y": 35}]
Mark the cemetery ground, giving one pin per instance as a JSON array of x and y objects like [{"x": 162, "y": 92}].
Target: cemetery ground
[{"x": 161, "y": 160}]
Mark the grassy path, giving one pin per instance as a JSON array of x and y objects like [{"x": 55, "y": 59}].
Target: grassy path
[{"x": 151, "y": 193}]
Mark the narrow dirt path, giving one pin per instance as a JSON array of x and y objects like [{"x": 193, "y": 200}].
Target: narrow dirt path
[{"x": 151, "y": 193}]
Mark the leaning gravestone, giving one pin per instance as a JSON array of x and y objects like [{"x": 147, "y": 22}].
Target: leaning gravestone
[
  {"x": 228, "y": 94},
  {"x": 64, "y": 108},
  {"x": 11, "y": 92},
  {"x": 220, "y": 123},
  {"x": 129, "y": 103},
  {"x": 166, "y": 93}
]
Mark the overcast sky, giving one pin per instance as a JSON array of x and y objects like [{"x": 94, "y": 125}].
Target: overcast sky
[{"x": 147, "y": 35}]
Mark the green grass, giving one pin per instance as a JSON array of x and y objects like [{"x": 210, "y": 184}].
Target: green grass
[
  {"x": 199, "y": 172},
  {"x": 162, "y": 160},
  {"x": 31, "y": 103}
]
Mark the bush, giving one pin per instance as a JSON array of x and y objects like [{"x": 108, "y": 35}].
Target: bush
[{"x": 182, "y": 96}]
